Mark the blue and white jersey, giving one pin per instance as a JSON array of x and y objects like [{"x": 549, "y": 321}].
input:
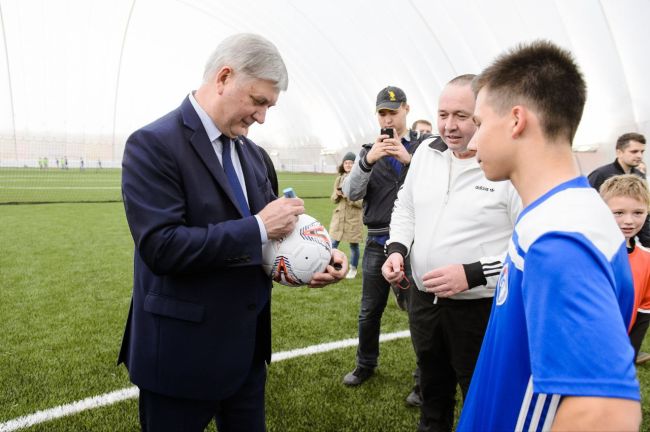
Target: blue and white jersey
[{"x": 560, "y": 314}]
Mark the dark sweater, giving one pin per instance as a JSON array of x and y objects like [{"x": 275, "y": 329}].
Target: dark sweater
[{"x": 599, "y": 175}]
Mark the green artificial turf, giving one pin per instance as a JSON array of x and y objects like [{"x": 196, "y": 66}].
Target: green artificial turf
[
  {"x": 65, "y": 285},
  {"x": 32, "y": 185}
]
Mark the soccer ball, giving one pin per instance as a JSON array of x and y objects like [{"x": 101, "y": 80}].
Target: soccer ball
[{"x": 292, "y": 260}]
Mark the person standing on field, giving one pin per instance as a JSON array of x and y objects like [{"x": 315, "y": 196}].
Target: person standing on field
[
  {"x": 200, "y": 207},
  {"x": 378, "y": 173},
  {"x": 346, "y": 224},
  {"x": 454, "y": 226},
  {"x": 556, "y": 354}
]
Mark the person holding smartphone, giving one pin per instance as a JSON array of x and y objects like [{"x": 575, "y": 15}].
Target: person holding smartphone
[{"x": 377, "y": 174}]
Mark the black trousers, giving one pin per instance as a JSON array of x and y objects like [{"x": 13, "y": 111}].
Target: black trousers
[
  {"x": 374, "y": 296},
  {"x": 447, "y": 337},
  {"x": 241, "y": 412},
  {"x": 639, "y": 329}
]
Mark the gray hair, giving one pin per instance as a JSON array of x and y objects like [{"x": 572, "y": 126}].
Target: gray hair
[{"x": 251, "y": 55}]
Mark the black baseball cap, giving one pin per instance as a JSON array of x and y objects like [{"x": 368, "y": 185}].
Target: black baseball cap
[{"x": 390, "y": 98}]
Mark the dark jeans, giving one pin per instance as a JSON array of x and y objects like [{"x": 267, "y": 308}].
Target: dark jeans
[
  {"x": 447, "y": 338},
  {"x": 241, "y": 412},
  {"x": 639, "y": 329},
  {"x": 375, "y": 291},
  {"x": 354, "y": 252}
]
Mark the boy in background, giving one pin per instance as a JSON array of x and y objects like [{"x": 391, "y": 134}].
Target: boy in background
[{"x": 628, "y": 198}]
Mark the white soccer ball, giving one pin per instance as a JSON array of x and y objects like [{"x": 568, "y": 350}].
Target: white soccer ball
[{"x": 293, "y": 259}]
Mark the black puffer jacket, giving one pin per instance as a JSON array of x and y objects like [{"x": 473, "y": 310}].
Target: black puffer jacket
[{"x": 377, "y": 185}]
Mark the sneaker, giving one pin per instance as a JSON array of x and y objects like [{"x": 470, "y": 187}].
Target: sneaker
[
  {"x": 414, "y": 399},
  {"x": 358, "y": 376},
  {"x": 642, "y": 357},
  {"x": 352, "y": 273}
]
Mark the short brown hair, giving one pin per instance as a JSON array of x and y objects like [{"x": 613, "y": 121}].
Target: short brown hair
[
  {"x": 543, "y": 76},
  {"x": 627, "y": 185},
  {"x": 426, "y": 122},
  {"x": 624, "y": 140}
]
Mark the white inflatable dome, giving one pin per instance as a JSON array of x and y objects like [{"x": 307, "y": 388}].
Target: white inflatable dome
[{"x": 77, "y": 76}]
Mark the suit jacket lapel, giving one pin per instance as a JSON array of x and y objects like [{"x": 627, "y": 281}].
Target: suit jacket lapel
[
  {"x": 246, "y": 159},
  {"x": 203, "y": 147}
]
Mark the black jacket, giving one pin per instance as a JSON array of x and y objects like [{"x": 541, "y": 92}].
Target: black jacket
[
  {"x": 599, "y": 175},
  {"x": 379, "y": 191}
]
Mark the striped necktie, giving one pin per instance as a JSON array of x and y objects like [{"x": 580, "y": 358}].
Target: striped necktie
[{"x": 231, "y": 174}]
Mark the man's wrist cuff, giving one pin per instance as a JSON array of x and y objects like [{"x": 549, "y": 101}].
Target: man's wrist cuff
[
  {"x": 395, "y": 247},
  {"x": 474, "y": 274},
  {"x": 364, "y": 164}
]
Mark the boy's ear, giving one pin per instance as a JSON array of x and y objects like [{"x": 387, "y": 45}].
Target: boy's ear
[{"x": 519, "y": 120}]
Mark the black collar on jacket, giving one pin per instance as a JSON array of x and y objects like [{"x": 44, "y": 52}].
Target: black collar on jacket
[
  {"x": 438, "y": 144},
  {"x": 617, "y": 166}
]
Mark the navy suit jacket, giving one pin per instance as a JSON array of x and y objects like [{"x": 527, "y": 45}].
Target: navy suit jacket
[{"x": 199, "y": 312}]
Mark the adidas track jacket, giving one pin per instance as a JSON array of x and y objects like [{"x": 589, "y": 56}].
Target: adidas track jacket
[{"x": 447, "y": 212}]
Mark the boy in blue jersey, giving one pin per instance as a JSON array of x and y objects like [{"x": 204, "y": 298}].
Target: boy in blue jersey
[{"x": 555, "y": 353}]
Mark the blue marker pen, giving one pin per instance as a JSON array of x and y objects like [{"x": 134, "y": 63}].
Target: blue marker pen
[{"x": 289, "y": 193}]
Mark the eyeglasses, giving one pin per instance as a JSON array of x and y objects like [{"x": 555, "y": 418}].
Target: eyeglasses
[{"x": 403, "y": 283}]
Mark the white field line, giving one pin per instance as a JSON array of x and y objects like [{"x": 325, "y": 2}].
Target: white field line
[
  {"x": 57, "y": 187},
  {"x": 132, "y": 392},
  {"x": 80, "y": 178},
  {"x": 84, "y": 177}
]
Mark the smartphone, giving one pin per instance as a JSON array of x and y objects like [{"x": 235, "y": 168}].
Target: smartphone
[{"x": 387, "y": 131}]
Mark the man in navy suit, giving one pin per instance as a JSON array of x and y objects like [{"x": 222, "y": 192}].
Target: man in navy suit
[{"x": 199, "y": 206}]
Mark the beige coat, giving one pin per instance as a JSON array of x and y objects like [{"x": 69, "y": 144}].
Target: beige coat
[{"x": 347, "y": 222}]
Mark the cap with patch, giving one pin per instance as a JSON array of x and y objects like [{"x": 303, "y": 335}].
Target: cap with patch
[{"x": 390, "y": 98}]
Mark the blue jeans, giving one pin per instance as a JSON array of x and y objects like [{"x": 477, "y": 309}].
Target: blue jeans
[
  {"x": 354, "y": 252},
  {"x": 375, "y": 291}
]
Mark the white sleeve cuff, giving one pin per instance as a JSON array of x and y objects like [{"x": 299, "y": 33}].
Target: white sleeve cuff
[{"x": 263, "y": 236}]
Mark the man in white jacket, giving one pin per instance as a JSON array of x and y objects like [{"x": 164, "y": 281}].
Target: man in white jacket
[{"x": 455, "y": 226}]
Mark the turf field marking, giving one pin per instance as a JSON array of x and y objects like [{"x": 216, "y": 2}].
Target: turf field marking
[
  {"x": 331, "y": 346},
  {"x": 69, "y": 409},
  {"x": 59, "y": 179},
  {"x": 132, "y": 392},
  {"x": 57, "y": 187}
]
